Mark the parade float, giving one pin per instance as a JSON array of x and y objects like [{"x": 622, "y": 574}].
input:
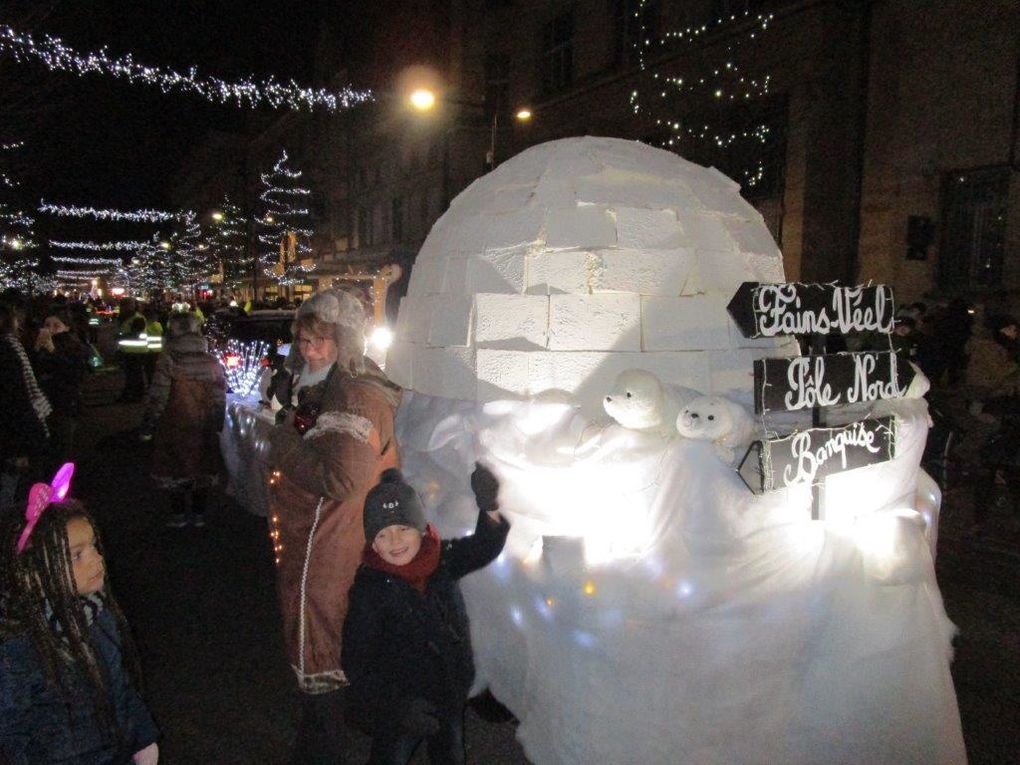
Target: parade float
[{"x": 722, "y": 548}]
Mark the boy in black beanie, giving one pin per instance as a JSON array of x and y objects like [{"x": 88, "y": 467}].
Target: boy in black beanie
[{"x": 406, "y": 645}]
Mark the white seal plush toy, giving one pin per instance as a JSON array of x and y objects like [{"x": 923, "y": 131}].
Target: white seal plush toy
[
  {"x": 716, "y": 419},
  {"x": 640, "y": 401}
]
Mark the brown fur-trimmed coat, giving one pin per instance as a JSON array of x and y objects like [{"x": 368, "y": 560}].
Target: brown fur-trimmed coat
[{"x": 317, "y": 498}]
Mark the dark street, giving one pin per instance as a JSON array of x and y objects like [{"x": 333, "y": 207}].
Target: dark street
[{"x": 203, "y": 609}]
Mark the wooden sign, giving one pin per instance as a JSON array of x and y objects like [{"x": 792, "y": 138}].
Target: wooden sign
[
  {"x": 773, "y": 310},
  {"x": 809, "y": 456},
  {"x": 805, "y": 382}
]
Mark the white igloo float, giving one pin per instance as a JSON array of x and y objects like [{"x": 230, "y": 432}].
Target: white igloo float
[{"x": 648, "y": 608}]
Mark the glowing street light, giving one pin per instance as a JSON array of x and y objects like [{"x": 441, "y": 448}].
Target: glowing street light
[
  {"x": 164, "y": 245},
  {"x": 422, "y": 99},
  {"x": 217, "y": 216},
  {"x": 523, "y": 114}
]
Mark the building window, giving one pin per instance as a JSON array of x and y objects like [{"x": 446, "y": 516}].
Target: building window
[
  {"x": 558, "y": 53},
  {"x": 364, "y": 227},
  {"x": 973, "y": 227},
  {"x": 497, "y": 86},
  {"x": 634, "y": 23},
  {"x": 397, "y": 218}
]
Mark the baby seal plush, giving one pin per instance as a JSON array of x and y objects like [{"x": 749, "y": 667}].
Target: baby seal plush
[
  {"x": 716, "y": 419},
  {"x": 640, "y": 401}
]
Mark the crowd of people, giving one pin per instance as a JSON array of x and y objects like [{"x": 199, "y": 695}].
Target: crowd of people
[{"x": 373, "y": 617}]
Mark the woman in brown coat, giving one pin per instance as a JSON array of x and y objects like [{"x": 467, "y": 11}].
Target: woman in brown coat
[
  {"x": 333, "y": 439},
  {"x": 184, "y": 414}
]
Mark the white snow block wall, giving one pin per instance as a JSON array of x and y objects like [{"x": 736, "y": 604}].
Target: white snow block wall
[{"x": 575, "y": 260}]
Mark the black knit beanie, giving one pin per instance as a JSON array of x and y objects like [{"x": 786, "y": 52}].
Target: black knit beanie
[{"x": 392, "y": 502}]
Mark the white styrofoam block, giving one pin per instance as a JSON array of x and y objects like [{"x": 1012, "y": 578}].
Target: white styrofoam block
[
  {"x": 693, "y": 285},
  {"x": 603, "y": 322},
  {"x": 512, "y": 229},
  {"x": 767, "y": 269},
  {"x": 501, "y": 373},
  {"x": 643, "y": 229},
  {"x": 561, "y": 371},
  {"x": 613, "y": 186},
  {"x": 451, "y": 321},
  {"x": 400, "y": 363},
  {"x": 498, "y": 200},
  {"x": 732, "y": 370},
  {"x": 590, "y": 375},
  {"x": 414, "y": 318},
  {"x": 455, "y": 281},
  {"x": 723, "y": 272},
  {"x": 579, "y": 227},
  {"x": 427, "y": 275},
  {"x": 705, "y": 231},
  {"x": 564, "y": 271},
  {"x": 558, "y": 187},
  {"x": 720, "y": 197},
  {"x": 779, "y": 346},
  {"x": 464, "y": 234},
  {"x": 685, "y": 323},
  {"x": 752, "y": 236},
  {"x": 646, "y": 272},
  {"x": 498, "y": 270},
  {"x": 445, "y": 372},
  {"x": 511, "y": 322}
]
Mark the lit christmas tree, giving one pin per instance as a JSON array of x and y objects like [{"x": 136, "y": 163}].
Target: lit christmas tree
[
  {"x": 228, "y": 242},
  {"x": 284, "y": 211},
  {"x": 19, "y": 261}
]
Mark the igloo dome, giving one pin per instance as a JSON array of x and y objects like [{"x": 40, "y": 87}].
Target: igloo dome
[
  {"x": 648, "y": 608},
  {"x": 555, "y": 270}
]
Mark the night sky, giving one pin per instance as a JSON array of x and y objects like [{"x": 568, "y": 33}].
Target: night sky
[{"x": 94, "y": 140}]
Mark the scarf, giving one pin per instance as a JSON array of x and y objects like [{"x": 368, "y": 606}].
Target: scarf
[
  {"x": 419, "y": 570},
  {"x": 40, "y": 403},
  {"x": 91, "y": 604}
]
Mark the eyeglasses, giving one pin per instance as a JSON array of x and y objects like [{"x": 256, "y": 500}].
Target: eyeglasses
[{"x": 315, "y": 343}]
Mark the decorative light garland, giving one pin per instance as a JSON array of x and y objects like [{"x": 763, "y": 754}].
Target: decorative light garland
[
  {"x": 97, "y": 246},
  {"x": 136, "y": 216},
  {"x": 86, "y": 261},
  {"x": 55, "y": 55},
  {"x": 89, "y": 273}
]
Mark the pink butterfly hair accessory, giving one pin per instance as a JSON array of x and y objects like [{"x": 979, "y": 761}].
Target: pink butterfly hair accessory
[{"x": 41, "y": 496}]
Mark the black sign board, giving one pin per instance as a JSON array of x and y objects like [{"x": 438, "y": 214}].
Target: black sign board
[
  {"x": 806, "y": 457},
  {"x": 804, "y": 382},
  {"x": 773, "y": 310}
]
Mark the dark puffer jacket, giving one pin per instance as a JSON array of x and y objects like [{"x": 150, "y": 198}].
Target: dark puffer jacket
[
  {"x": 400, "y": 645},
  {"x": 38, "y": 725}
]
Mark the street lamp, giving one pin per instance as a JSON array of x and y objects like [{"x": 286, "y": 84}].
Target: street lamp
[
  {"x": 422, "y": 99},
  {"x": 164, "y": 245},
  {"x": 217, "y": 216}
]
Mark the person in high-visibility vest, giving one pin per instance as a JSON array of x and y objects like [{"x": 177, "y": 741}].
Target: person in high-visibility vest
[
  {"x": 153, "y": 341},
  {"x": 132, "y": 346}
]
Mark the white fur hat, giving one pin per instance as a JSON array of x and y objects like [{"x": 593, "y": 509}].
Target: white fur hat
[
  {"x": 335, "y": 307},
  {"x": 346, "y": 313}
]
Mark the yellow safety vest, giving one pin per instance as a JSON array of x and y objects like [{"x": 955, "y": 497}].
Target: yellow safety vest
[
  {"x": 130, "y": 342},
  {"x": 154, "y": 337}
]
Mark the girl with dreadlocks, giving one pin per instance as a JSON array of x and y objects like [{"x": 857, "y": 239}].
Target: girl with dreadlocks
[{"x": 68, "y": 671}]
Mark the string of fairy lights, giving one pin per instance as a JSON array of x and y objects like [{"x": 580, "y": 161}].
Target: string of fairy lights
[
  {"x": 55, "y": 55},
  {"x": 133, "y": 216},
  {"x": 682, "y": 101}
]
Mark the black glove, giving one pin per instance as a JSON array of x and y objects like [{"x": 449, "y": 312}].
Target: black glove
[
  {"x": 420, "y": 719},
  {"x": 485, "y": 485}
]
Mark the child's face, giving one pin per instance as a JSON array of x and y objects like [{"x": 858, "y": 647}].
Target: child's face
[
  {"x": 397, "y": 545},
  {"x": 86, "y": 562}
]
